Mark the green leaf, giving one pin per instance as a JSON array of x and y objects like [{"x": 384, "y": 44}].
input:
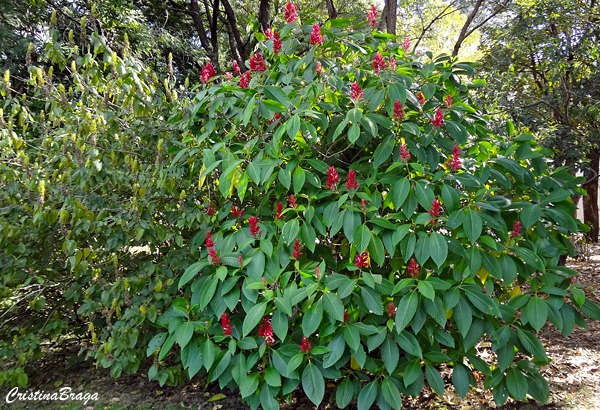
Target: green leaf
[
  {"x": 294, "y": 362},
  {"x": 337, "y": 347},
  {"x": 371, "y": 299},
  {"x": 276, "y": 93},
  {"x": 472, "y": 225},
  {"x": 421, "y": 249},
  {"x": 390, "y": 354},
  {"x": 451, "y": 198},
  {"x": 536, "y": 312},
  {"x": 362, "y": 237},
  {"x": 426, "y": 289},
  {"x": 376, "y": 250},
  {"x": 312, "y": 318},
  {"x": 406, "y": 310},
  {"x": 290, "y": 231},
  {"x": 538, "y": 388},
  {"x": 529, "y": 257},
  {"x": 400, "y": 192},
  {"x": 391, "y": 394},
  {"x": 353, "y": 133},
  {"x": 249, "y": 384},
  {"x": 293, "y": 126},
  {"x": 285, "y": 178},
  {"x": 532, "y": 344},
  {"x": 408, "y": 342},
  {"x": 516, "y": 383},
  {"x": 352, "y": 337},
  {"x": 299, "y": 179},
  {"x": 191, "y": 272},
  {"x": 460, "y": 379},
  {"x": 313, "y": 383},
  {"x": 412, "y": 371},
  {"x": 434, "y": 378},
  {"x": 367, "y": 396},
  {"x": 463, "y": 316},
  {"x": 438, "y": 248},
  {"x": 530, "y": 215},
  {"x": 279, "y": 322},
  {"x": 383, "y": 151},
  {"x": 184, "y": 334},
  {"x": 333, "y": 306},
  {"x": 344, "y": 393},
  {"x": 351, "y": 222},
  {"x": 156, "y": 342},
  {"x": 456, "y": 131},
  {"x": 253, "y": 317}
]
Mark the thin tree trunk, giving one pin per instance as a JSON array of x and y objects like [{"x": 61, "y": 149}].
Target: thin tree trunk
[
  {"x": 590, "y": 202},
  {"x": 465, "y": 28},
  {"x": 391, "y": 18},
  {"x": 234, "y": 29},
  {"x": 263, "y": 15},
  {"x": 331, "y": 11}
]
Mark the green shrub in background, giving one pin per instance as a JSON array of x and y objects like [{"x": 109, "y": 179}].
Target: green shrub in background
[{"x": 337, "y": 211}]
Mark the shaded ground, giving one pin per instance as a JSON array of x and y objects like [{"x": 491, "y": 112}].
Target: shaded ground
[{"x": 573, "y": 375}]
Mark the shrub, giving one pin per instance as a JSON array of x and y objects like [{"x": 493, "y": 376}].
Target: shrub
[{"x": 338, "y": 211}]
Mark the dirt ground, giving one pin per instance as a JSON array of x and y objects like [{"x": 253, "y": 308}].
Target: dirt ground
[{"x": 573, "y": 375}]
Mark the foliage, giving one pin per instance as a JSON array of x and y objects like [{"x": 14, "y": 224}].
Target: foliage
[{"x": 344, "y": 216}]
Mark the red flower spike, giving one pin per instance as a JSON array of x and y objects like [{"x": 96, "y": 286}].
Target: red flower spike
[
  {"x": 254, "y": 229},
  {"x": 351, "y": 182},
  {"x": 406, "y": 44},
  {"x": 319, "y": 69},
  {"x": 297, "y": 247},
  {"x": 363, "y": 204},
  {"x": 438, "y": 118},
  {"x": 208, "y": 72},
  {"x": 279, "y": 210},
  {"x": 305, "y": 346},
  {"x": 516, "y": 229},
  {"x": 454, "y": 162},
  {"x": 214, "y": 258},
  {"x": 265, "y": 330},
  {"x": 361, "y": 260},
  {"x": 315, "y": 36},
  {"x": 236, "y": 211},
  {"x": 236, "y": 67},
  {"x": 378, "y": 63},
  {"x": 434, "y": 212},
  {"x": 210, "y": 210},
  {"x": 413, "y": 268},
  {"x": 332, "y": 178},
  {"x": 346, "y": 316},
  {"x": 393, "y": 64},
  {"x": 276, "y": 116},
  {"x": 225, "y": 322},
  {"x": 293, "y": 203},
  {"x": 372, "y": 16},
  {"x": 289, "y": 14},
  {"x": 257, "y": 63},
  {"x": 404, "y": 154},
  {"x": 276, "y": 44},
  {"x": 391, "y": 310},
  {"x": 448, "y": 101},
  {"x": 240, "y": 260},
  {"x": 356, "y": 93},
  {"x": 421, "y": 98},
  {"x": 209, "y": 242},
  {"x": 245, "y": 79},
  {"x": 317, "y": 272},
  {"x": 398, "y": 111}
]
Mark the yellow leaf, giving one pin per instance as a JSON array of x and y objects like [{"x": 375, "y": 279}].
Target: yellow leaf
[
  {"x": 331, "y": 385},
  {"x": 202, "y": 178},
  {"x": 235, "y": 178},
  {"x": 483, "y": 275},
  {"x": 515, "y": 292},
  {"x": 449, "y": 313},
  {"x": 216, "y": 397},
  {"x": 143, "y": 309},
  {"x": 354, "y": 364}
]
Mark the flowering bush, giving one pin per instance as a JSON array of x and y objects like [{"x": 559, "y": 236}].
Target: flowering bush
[{"x": 338, "y": 212}]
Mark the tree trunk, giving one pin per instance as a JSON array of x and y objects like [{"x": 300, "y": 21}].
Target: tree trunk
[
  {"x": 331, "y": 11},
  {"x": 263, "y": 15},
  {"x": 590, "y": 202},
  {"x": 392, "y": 11},
  {"x": 465, "y": 28}
]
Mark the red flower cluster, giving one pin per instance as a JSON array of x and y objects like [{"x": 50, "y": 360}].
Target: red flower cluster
[
  {"x": 406, "y": 44},
  {"x": 265, "y": 330},
  {"x": 332, "y": 178},
  {"x": 393, "y": 64},
  {"x": 346, "y": 316},
  {"x": 228, "y": 75},
  {"x": 372, "y": 16},
  {"x": 454, "y": 162},
  {"x": 276, "y": 116},
  {"x": 413, "y": 268},
  {"x": 254, "y": 229},
  {"x": 356, "y": 93},
  {"x": 398, "y": 111},
  {"x": 276, "y": 41},
  {"x": 240, "y": 260},
  {"x": 516, "y": 229},
  {"x": 227, "y": 328},
  {"x": 257, "y": 63},
  {"x": 421, "y": 97},
  {"x": 317, "y": 272},
  {"x": 208, "y": 72},
  {"x": 361, "y": 260},
  {"x": 297, "y": 247},
  {"x": 215, "y": 259},
  {"x": 245, "y": 79},
  {"x": 236, "y": 211},
  {"x": 278, "y": 211},
  {"x": 236, "y": 67},
  {"x": 315, "y": 36},
  {"x": 293, "y": 203},
  {"x": 289, "y": 13},
  {"x": 404, "y": 154},
  {"x": 391, "y": 310},
  {"x": 305, "y": 346},
  {"x": 351, "y": 182},
  {"x": 434, "y": 212},
  {"x": 363, "y": 205},
  {"x": 319, "y": 69},
  {"x": 438, "y": 118},
  {"x": 209, "y": 242},
  {"x": 448, "y": 101},
  {"x": 210, "y": 210},
  {"x": 379, "y": 63}
]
